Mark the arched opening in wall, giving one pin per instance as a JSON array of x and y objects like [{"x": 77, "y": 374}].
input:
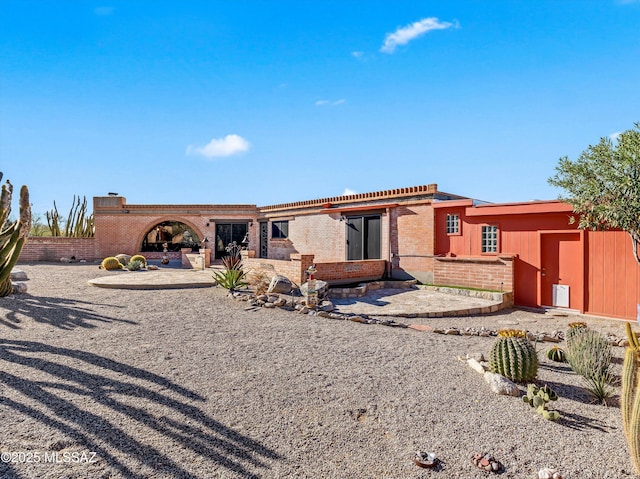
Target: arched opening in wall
[{"x": 177, "y": 235}]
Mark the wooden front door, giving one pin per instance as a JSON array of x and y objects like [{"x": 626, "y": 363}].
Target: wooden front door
[{"x": 561, "y": 266}]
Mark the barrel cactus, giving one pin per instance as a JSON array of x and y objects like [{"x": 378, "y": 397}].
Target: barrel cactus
[
  {"x": 513, "y": 356},
  {"x": 139, "y": 257},
  {"x": 630, "y": 397},
  {"x": 111, "y": 263},
  {"x": 557, "y": 354},
  {"x": 12, "y": 235}
]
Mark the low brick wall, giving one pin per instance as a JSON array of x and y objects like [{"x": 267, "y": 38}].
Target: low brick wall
[
  {"x": 334, "y": 273},
  {"x": 294, "y": 268},
  {"x": 362, "y": 289},
  {"x": 492, "y": 273},
  {"x": 38, "y": 248},
  {"x": 351, "y": 271}
]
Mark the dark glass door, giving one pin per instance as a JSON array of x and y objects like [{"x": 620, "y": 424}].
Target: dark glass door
[
  {"x": 363, "y": 237},
  {"x": 227, "y": 233}
]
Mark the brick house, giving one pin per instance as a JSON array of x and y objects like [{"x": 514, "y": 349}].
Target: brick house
[{"x": 532, "y": 248}]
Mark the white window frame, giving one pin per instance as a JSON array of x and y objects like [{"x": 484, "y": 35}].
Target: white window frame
[
  {"x": 452, "y": 224},
  {"x": 489, "y": 239}
]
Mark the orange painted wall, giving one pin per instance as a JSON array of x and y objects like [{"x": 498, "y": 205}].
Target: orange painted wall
[{"x": 611, "y": 285}]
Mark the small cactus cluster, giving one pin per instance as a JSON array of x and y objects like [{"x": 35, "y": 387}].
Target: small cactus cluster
[
  {"x": 538, "y": 398},
  {"x": 134, "y": 265},
  {"x": 513, "y": 356},
  {"x": 630, "y": 396},
  {"x": 557, "y": 354},
  {"x": 139, "y": 257},
  {"x": 111, "y": 263}
]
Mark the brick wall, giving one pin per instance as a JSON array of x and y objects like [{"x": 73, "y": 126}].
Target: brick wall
[
  {"x": 351, "y": 271},
  {"x": 293, "y": 268},
  {"x": 335, "y": 272},
  {"x": 53, "y": 248},
  {"x": 412, "y": 242},
  {"x": 320, "y": 234},
  {"x": 495, "y": 273}
]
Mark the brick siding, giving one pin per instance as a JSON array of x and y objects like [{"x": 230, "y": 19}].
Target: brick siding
[{"x": 495, "y": 273}]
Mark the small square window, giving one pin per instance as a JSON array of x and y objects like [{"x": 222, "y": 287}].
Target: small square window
[
  {"x": 453, "y": 224},
  {"x": 279, "y": 229},
  {"x": 490, "y": 239}
]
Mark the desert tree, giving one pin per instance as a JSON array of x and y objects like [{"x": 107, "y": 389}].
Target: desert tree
[{"x": 603, "y": 185}]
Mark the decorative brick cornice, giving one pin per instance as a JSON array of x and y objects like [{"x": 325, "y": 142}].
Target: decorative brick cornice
[{"x": 426, "y": 191}]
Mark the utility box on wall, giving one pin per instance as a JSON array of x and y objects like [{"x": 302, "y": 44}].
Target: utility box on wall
[{"x": 561, "y": 295}]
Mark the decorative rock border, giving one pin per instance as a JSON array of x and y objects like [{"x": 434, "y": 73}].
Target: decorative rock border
[
  {"x": 326, "y": 308},
  {"x": 536, "y": 336},
  {"x": 298, "y": 305}
]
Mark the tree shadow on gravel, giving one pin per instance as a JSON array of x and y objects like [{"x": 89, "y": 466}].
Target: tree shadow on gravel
[
  {"x": 61, "y": 313},
  {"x": 150, "y": 405}
]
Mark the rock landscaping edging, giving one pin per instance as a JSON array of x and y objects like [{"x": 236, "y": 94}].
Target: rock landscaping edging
[
  {"x": 326, "y": 309},
  {"x": 555, "y": 336}
]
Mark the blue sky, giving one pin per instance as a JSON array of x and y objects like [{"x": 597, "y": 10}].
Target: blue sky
[{"x": 270, "y": 102}]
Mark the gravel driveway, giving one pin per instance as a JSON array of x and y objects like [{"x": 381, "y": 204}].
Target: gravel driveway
[{"x": 104, "y": 383}]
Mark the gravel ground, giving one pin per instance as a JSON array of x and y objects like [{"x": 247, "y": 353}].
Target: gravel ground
[{"x": 102, "y": 383}]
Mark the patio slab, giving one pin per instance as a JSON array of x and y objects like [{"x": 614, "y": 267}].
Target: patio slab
[
  {"x": 156, "y": 279},
  {"x": 415, "y": 303},
  {"x": 408, "y": 303}
]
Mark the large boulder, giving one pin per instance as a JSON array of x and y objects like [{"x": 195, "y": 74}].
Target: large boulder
[
  {"x": 18, "y": 275},
  {"x": 321, "y": 287},
  {"x": 501, "y": 385},
  {"x": 19, "y": 287},
  {"x": 123, "y": 258},
  {"x": 280, "y": 285}
]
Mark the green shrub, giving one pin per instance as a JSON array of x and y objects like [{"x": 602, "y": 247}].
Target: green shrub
[{"x": 589, "y": 355}]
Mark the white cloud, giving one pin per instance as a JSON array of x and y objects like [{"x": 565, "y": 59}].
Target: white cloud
[
  {"x": 404, "y": 35},
  {"x": 330, "y": 102},
  {"x": 357, "y": 54},
  {"x": 349, "y": 192},
  {"x": 220, "y": 147},
  {"x": 103, "y": 11},
  {"x": 615, "y": 136}
]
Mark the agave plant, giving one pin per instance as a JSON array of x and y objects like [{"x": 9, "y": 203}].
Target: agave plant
[{"x": 232, "y": 277}]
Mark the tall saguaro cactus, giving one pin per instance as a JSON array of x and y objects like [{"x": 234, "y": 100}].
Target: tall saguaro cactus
[
  {"x": 12, "y": 235},
  {"x": 630, "y": 400}
]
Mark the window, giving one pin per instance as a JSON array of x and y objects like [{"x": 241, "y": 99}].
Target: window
[
  {"x": 490, "y": 239},
  {"x": 453, "y": 224},
  {"x": 363, "y": 237},
  {"x": 280, "y": 229}
]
